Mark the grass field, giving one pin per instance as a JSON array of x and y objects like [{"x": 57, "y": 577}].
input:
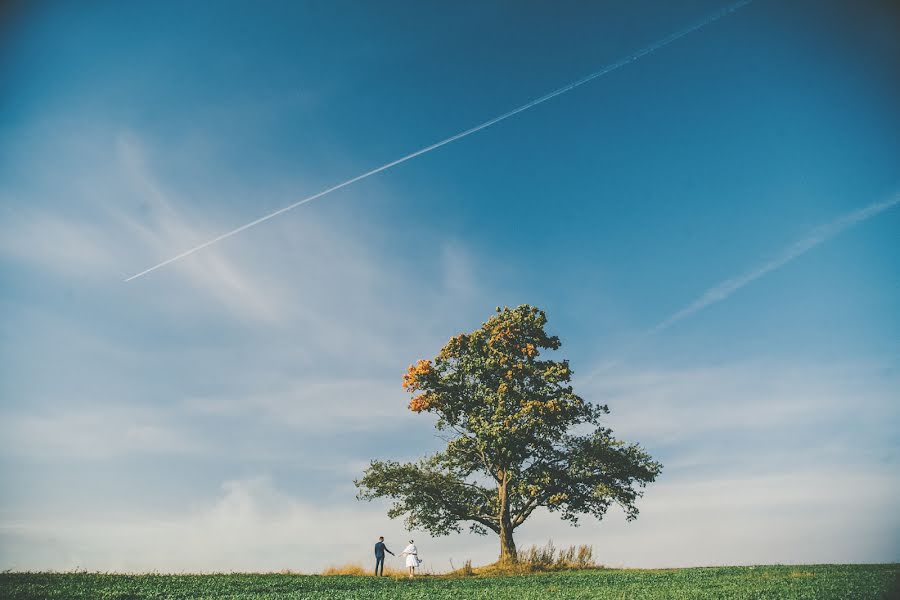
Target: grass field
[{"x": 820, "y": 582}]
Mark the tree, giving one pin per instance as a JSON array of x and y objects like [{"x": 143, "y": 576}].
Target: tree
[{"x": 518, "y": 438}]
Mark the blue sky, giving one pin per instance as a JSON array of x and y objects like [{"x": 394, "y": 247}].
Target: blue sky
[{"x": 213, "y": 414}]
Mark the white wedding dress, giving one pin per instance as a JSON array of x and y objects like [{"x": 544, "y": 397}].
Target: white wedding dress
[{"x": 412, "y": 556}]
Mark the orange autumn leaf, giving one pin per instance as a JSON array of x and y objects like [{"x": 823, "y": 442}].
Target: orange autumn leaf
[
  {"x": 421, "y": 402},
  {"x": 412, "y": 378}
]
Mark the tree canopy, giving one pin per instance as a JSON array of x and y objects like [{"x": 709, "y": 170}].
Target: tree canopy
[{"x": 518, "y": 438}]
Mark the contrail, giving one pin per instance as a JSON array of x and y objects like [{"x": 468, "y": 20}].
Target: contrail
[
  {"x": 819, "y": 235},
  {"x": 723, "y": 290},
  {"x": 712, "y": 18}
]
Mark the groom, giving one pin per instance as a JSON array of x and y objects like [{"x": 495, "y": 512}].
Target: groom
[{"x": 380, "y": 549}]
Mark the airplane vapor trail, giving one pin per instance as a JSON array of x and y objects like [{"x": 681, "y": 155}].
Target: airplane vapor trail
[
  {"x": 557, "y": 92},
  {"x": 819, "y": 235},
  {"x": 724, "y": 289}
]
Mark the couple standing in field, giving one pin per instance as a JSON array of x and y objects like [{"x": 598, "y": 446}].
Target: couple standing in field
[{"x": 411, "y": 553}]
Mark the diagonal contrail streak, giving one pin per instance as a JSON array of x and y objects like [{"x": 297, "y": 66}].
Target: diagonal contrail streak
[
  {"x": 819, "y": 235},
  {"x": 724, "y": 289},
  {"x": 587, "y": 78}
]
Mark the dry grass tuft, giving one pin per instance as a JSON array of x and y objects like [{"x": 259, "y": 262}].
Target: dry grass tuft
[
  {"x": 537, "y": 559},
  {"x": 357, "y": 570}
]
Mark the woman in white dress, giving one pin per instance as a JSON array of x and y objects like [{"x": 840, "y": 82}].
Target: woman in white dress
[{"x": 412, "y": 558}]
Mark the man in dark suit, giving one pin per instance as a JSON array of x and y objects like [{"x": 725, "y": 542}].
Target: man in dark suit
[{"x": 380, "y": 549}]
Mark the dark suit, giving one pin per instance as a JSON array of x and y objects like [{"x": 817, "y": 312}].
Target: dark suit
[{"x": 380, "y": 549}]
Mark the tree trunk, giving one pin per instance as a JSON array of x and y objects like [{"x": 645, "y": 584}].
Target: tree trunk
[{"x": 507, "y": 544}]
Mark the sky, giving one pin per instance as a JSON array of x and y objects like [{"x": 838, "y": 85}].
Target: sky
[{"x": 691, "y": 223}]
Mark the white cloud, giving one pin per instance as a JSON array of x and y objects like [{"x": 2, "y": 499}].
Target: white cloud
[
  {"x": 792, "y": 516},
  {"x": 681, "y": 404},
  {"x": 98, "y": 433},
  {"x": 826, "y": 514},
  {"x": 52, "y": 242},
  {"x": 251, "y": 526},
  {"x": 313, "y": 404},
  {"x": 214, "y": 272},
  {"x": 97, "y": 250}
]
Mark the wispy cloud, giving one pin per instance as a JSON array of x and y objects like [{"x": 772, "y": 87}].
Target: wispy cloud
[
  {"x": 140, "y": 218},
  {"x": 98, "y": 433},
  {"x": 311, "y": 404},
  {"x": 214, "y": 273},
  {"x": 710, "y": 403},
  {"x": 57, "y": 244}
]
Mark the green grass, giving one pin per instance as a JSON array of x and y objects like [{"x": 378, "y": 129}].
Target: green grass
[{"x": 819, "y": 582}]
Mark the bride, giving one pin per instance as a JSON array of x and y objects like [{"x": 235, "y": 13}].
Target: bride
[{"x": 412, "y": 557}]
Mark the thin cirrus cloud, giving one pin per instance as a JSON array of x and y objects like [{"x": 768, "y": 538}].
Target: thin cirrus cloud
[
  {"x": 215, "y": 274},
  {"x": 89, "y": 248}
]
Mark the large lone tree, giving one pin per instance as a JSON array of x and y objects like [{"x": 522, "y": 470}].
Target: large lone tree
[{"x": 518, "y": 438}]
